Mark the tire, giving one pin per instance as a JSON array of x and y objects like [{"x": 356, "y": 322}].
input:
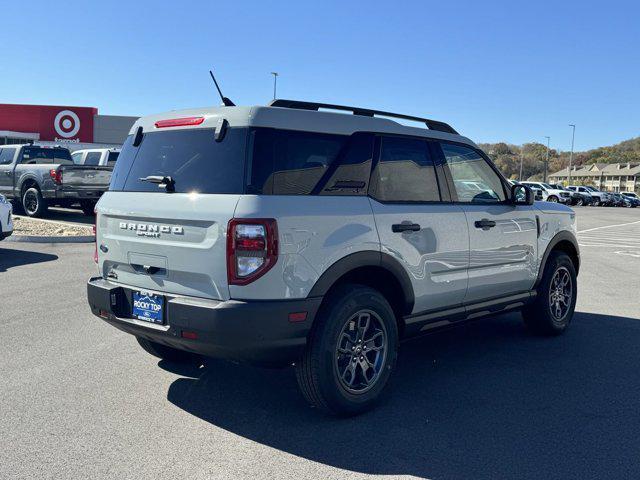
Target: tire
[
  {"x": 166, "y": 353},
  {"x": 548, "y": 315},
  {"x": 87, "y": 208},
  {"x": 552, "y": 199},
  {"x": 596, "y": 202},
  {"x": 579, "y": 202},
  {"x": 32, "y": 203},
  {"x": 332, "y": 372}
]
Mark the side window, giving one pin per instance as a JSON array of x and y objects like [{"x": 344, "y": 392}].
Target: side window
[
  {"x": 77, "y": 158},
  {"x": 405, "y": 172},
  {"x": 473, "y": 178},
  {"x": 92, "y": 158},
  {"x": 287, "y": 162},
  {"x": 6, "y": 155},
  {"x": 62, "y": 155}
]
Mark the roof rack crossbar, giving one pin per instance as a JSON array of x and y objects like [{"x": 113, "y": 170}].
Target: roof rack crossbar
[{"x": 431, "y": 124}]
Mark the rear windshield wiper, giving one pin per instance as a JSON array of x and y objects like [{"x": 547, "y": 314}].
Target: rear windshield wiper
[{"x": 165, "y": 182}]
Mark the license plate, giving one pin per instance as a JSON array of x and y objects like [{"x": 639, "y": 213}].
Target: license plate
[{"x": 148, "y": 307}]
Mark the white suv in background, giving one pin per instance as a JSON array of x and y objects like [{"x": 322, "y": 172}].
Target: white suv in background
[
  {"x": 550, "y": 194},
  {"x": 6, "y": 221}
]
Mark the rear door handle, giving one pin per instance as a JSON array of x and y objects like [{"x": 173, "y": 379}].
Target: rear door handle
[
  {"x": 405, "y": 227},
  {"x": 485, "y": 224}
]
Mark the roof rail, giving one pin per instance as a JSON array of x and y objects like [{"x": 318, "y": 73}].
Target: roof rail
[{"x": 431, "y": 124}]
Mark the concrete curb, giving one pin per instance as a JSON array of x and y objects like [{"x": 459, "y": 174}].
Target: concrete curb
[{"x": 35, "y": 239}]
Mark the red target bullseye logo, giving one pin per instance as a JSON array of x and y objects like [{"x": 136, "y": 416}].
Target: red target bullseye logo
[{"x": 66, "y": 124}]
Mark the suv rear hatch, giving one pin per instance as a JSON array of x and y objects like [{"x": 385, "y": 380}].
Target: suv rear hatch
[{"x": 162, "y": 225}]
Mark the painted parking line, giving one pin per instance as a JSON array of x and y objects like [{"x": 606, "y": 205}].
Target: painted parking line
[
  {"x": 623, "y": 237},
  {"x": 608, "y": 226}
]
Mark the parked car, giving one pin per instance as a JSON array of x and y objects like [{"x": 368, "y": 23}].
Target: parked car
[
  {"x": 550, "y": 194},
  {"x": 103, "y": 157},
  {"x": 576, "y": 198},
  {"x": 621, "y": 200},
  {"x": 599, "y": 197},
  {"x": 6, "y": 221},
  {"x": 635, "y": 201},
  {"x": 616, "y": 200},
  {"x": 285, "y": 234},
  {"x": 587, "y": 198},
  {"x": 36, "y": 177}
]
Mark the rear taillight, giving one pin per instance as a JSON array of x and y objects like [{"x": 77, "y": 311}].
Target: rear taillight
[
  {"x": 56, "y": 176},
  {"x": 252, "y": 249}
]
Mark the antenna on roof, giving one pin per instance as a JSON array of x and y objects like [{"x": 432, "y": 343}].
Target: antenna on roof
[{"x": 225, "y": 101}]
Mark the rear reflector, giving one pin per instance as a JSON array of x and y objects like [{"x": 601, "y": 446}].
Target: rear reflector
[
  {"x": 297, "y": 317},
  {"x": 95, "y": 241},
  {"x": 189, "y": 335},
  {"x": 179, "y": 122}
]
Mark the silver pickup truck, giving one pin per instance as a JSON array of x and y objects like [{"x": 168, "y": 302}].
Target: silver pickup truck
[{"x": 36, "y": 177}]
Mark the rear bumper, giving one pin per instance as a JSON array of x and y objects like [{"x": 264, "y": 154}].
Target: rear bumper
[
  {"x": 60, "y": 194},
  {"x": 256, "y": 332}
]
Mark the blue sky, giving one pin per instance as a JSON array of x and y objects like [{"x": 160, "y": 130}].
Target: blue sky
[{"x": 497, "y": 71}]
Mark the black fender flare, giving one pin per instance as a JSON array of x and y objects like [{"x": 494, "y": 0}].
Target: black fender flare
[
  {"x": 365, "y": 259},
  {"x": 559, "y": 237},
  {"x": 25, "y": 178}
]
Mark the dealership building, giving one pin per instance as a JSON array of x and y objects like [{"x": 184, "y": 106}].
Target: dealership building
[{"x": 72, "y": 127}]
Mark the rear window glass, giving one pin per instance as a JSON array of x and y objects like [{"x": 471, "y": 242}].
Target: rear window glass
[
  {"x": 192, "y": 158},
  {"x": 39, "y": 155},
  {"x": 92, "y": 158}
]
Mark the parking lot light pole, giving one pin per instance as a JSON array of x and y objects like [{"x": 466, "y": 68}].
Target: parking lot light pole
[
  {"x": 546, "y": 162},
  {"x": 275, "y": 83},
  {"x": 521, "y": 159},
  {"x": 573, "y": 136}
]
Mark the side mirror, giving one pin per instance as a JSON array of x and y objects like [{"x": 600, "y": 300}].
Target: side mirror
[{"x": 521, "y": 195}]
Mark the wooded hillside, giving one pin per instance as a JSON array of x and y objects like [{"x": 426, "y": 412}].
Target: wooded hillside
[{"x": 507, "y": 157}]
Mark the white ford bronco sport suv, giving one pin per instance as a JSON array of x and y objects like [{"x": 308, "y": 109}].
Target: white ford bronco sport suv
[{"x": 288, "y": 234}]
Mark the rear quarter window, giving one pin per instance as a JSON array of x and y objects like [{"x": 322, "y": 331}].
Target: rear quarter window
[{"x": 289, "y": 162}]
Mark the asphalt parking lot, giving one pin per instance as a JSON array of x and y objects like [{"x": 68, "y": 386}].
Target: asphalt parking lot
[{"x": 80, "y": 399}]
